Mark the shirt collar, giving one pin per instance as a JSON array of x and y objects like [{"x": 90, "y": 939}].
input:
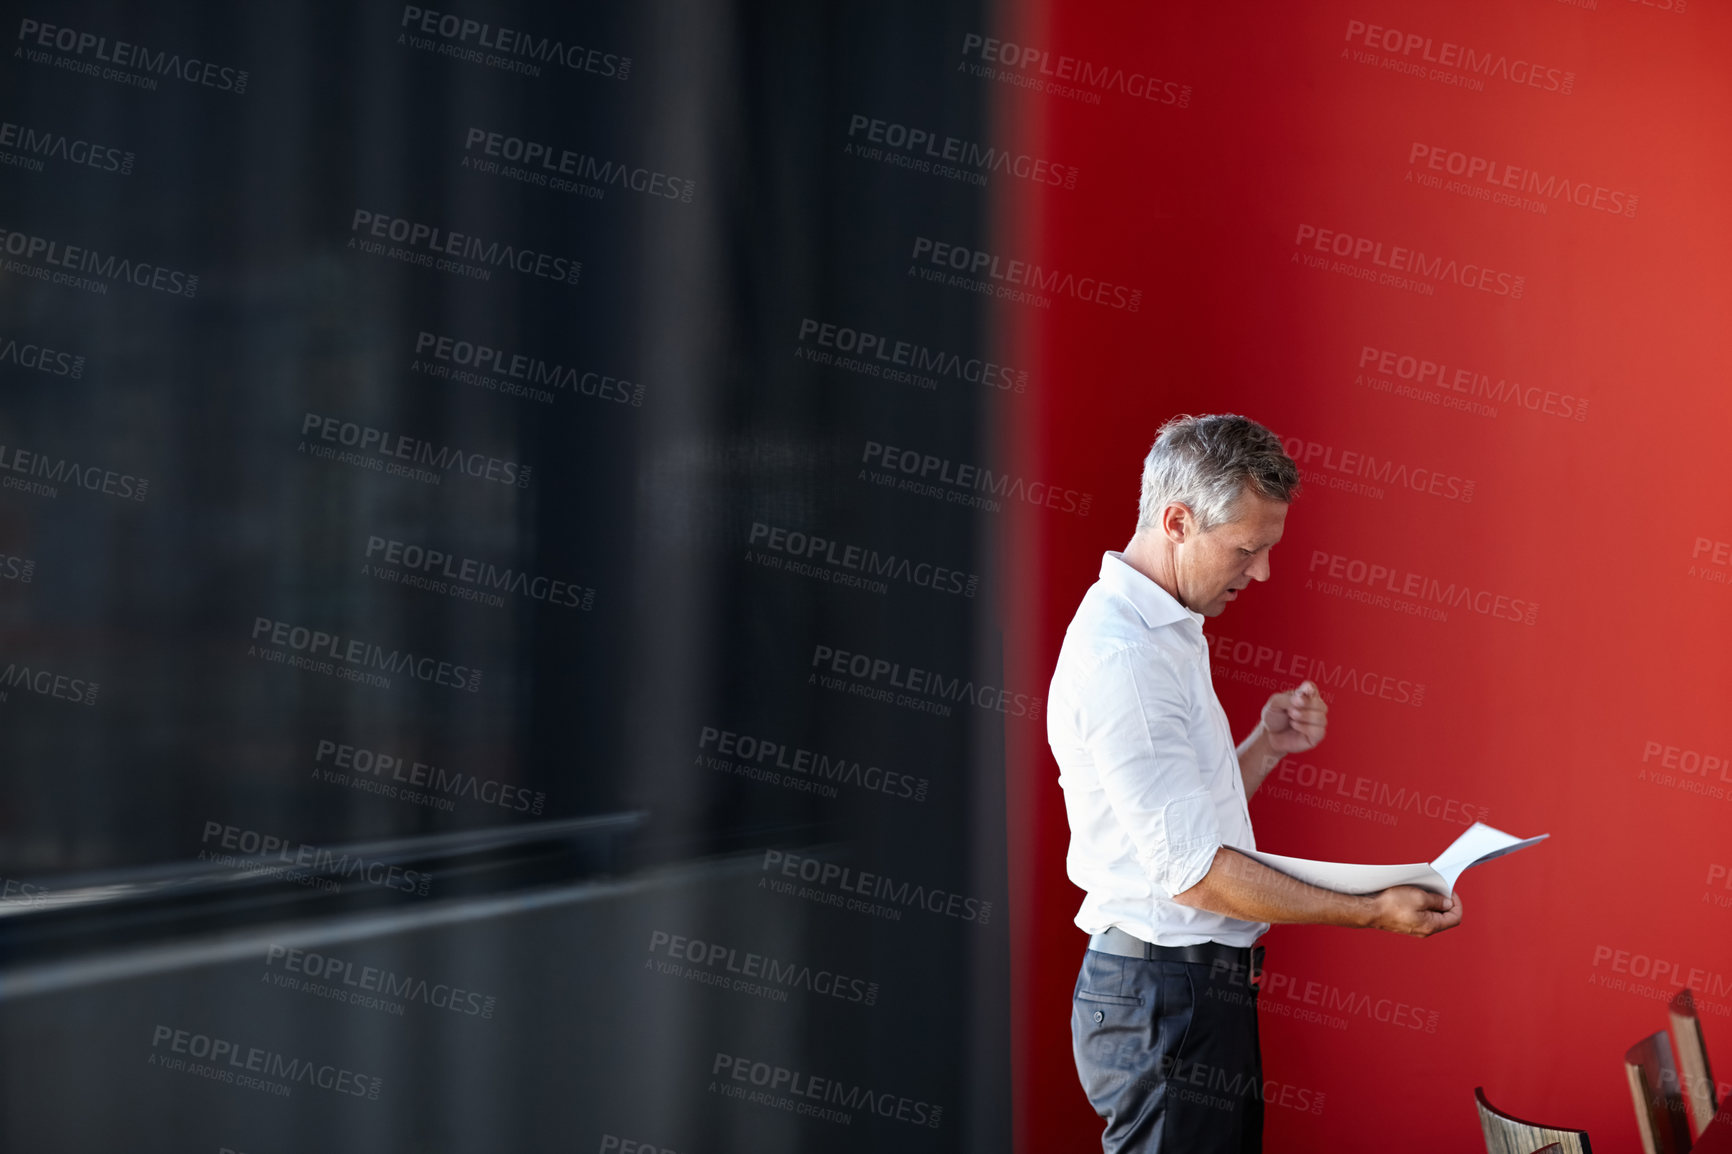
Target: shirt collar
[{"x": 1153, "y": 604}]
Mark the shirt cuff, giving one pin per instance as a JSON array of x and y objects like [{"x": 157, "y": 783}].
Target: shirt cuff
[{"x": 1192, "y": 838}]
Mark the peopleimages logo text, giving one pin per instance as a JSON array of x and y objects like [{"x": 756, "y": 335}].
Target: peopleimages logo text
[
  {"x": 1439, "y": 376},
  {"x": 1021, "y": 280},
  {"x": 231, "y": 1061},
  {"x": 352, "y": 651},
  {"x": 872, "y": 674},
  {"x": 1394, "y": 579},
  {"x": 47, "y": 144},
  {"x": 861, "y": 559},
  {"x": 41, "y": 358},
  {"x": 795, "y": 1091},
  {"x": 880, "y": 349},
  {"x": 928, "y": 144},
  {"x": 523, "y": 48},
  {"x": 378, "y": 980},
  {"x": 877, "y": 887},
  {"x": 121, "y": 54},
  {"x": 361, "y": 762},
  {"x": 400, "y": 447},
  {"x": 1400, "y": 259},
  {"x": 759, "y": 752},
  {"x": 65, "y": 471},
  {"x": 1285, "y": 669},
  {"x": 968, "y": 484},
  {"x": 551, "y": 160},
  {"x": 1066, "y": 71},
  {"x": 1498, "y": 174},
  {"x": 47, "y": 683},
  {"x": 1446, "y": 54},
  {"x": 723, "y": 958},
  {"x": 43, "y": 250},
  {"x": 524, "y": 373},
  {"x": 481, "y": 574},
  {"x": 252, "y": 848},
  {"x": 431, "y": 241},
  {"x": 1382, "y": 470}
]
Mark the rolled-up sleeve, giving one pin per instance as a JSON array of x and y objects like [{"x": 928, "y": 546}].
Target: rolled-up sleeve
[{"x": 1135, "y": 725}]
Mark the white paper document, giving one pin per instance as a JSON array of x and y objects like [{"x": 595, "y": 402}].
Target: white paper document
[{"x": 1479, "y": 844}]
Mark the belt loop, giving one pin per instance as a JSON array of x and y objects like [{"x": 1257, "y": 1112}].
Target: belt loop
[{"x": 1257, "y": 966}]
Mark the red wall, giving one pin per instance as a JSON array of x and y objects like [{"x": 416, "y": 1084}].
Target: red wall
[{"x": 1598, "y": 497}]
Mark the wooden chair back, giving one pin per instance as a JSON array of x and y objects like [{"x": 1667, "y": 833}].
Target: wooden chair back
[
  {"x": 1507, "y": 1134},
  {"x": 1654, "y": 1090},
  {"x": 1698, "y": 1080}
]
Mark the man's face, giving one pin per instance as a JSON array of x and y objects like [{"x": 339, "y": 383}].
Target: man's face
[{"x": 1214, "y": 566}]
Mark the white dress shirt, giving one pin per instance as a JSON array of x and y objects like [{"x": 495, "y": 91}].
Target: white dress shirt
[{"x": 1147, "y": 762}]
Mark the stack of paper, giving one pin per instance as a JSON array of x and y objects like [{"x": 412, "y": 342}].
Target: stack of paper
[{"x": 1479, "y": 844}]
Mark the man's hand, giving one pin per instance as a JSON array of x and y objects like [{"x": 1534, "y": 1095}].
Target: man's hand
[
  {"x": 1296, "y": 721},
  {"x": 1411, "y": 910}
]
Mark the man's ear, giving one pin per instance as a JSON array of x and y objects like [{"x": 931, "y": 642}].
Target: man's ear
[{"x": 1178, "y": 523}]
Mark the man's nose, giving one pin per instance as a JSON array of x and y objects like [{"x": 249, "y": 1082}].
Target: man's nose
[{"x": 1259, "y": 570}]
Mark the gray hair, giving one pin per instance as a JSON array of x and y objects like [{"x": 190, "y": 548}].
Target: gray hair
[{"x": 1205, "y": 463}]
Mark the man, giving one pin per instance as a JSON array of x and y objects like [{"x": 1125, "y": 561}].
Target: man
[{"x": 1164, "y": 1016}]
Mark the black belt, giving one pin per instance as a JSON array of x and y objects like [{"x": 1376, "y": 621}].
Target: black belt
[{"x": 1222, "y": 960}]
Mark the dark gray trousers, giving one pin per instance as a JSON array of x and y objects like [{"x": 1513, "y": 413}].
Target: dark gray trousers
[{"x": 1168, "y": 1055}]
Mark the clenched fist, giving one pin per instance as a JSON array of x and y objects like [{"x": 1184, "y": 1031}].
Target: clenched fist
[{"x": 1295, "y": 721}]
